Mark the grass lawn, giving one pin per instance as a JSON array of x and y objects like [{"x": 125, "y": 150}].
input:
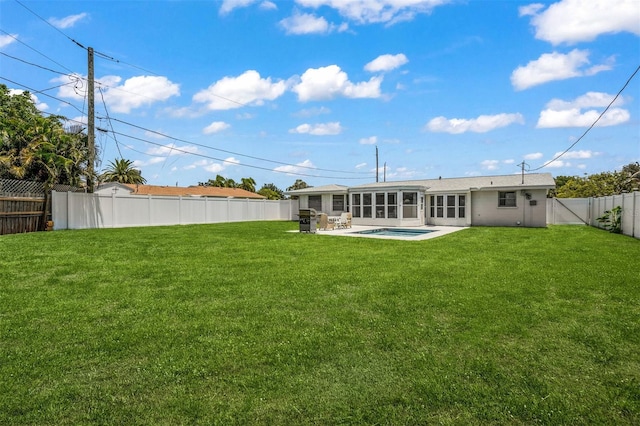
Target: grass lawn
[{"x": 245, "y": 323}]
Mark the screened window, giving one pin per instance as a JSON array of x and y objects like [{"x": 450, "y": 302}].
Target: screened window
[
  {"x": 392, "y": 205},
  {"x": 432, "y": 206},
  {"x": 506, "y": 199},
  {"x": 410, "y": 205},
  {"x": 355, "y": 205},
  {"x": 366, "y": 205},
  {"x": 338, "y": 203},
  {"x": 315, "y": 202},
  {"x": 451, "y": 206},
  {"x": 461, "y": 205},
  {"x": 380, "y": 205},
  {"x": 440, "y": 206}
]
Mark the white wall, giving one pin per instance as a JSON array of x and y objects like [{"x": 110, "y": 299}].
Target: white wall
[
  {"x": 72, "y": 210},
  {"x": 485, "y": 210}
]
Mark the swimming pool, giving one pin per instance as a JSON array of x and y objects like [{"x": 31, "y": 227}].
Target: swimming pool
[{"x": 394, "y": 232}]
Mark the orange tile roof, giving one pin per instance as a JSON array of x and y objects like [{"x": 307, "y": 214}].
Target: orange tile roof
[{"x": 203, "y": 191}]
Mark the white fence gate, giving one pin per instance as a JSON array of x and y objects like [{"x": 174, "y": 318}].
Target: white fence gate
[
  {"x": 83, "y": 211},
  {"x": 564, "y": 211}
]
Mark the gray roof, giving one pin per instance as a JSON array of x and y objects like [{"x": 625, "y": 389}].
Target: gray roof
[
  {"x": 325, "y": 189},
  {"x": 475, "y": 183}
]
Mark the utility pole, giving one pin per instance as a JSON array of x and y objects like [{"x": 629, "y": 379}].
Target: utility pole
[
  {"x": 385, "y": 171},
  {"x": 91, "y": 125},
  {"x": 522, "y": 165},
  {"x": 376, "y": 163}
]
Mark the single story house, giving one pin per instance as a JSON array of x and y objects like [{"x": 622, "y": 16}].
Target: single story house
[
  {"x": 175, "y": 191},
  {"x": 511, "y": 200}
]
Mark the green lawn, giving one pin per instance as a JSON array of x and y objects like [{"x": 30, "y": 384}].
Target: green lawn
[{"x": 245, "y": 323}]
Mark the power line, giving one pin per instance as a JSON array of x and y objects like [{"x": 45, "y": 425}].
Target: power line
[
  {"x": 77, "y": 43},
  {"x": 35, "y": 50},
  {"x": 34, "y": 91},
  {"x": 34, "y": 65},
  {"x": 230, "y": 162},
  {"x": 592, "y": 125},
  {"x": 232, "y": 152},
  {"x": 109, "y": 121}
]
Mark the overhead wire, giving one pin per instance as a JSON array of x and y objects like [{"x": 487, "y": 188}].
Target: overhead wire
[
  {"x": 233, "y": 152},
  {"x": 592, "y": 125},
  {"x": 35, "y": 50}
]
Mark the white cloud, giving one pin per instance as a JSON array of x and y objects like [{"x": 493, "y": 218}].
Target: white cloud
[
  {"x": 229, "y": 5},
  {"x": 218, "y": 167},
  {"x": 235, "y": 92},
  {"x": 361, "y": 166},
  {"x": 322, "y": 129},
  {"x": 215, "y": 127},
  {"x": 312, "y": 112},
  {"x": 533, "y": 156},
  {"x": 530, "y": 10},
  {"x": 559, "y": 113},
  {"x": 482, "y": 124},
  {"x": 329, "y": 82},
  {"x": 575, "y": 118},
  {"x": 6, "y": 40},
  {"x": 490, "y": 164},
  {"x": 573, "y": 21},
  {"x": 579, "y": 155},
  {"x": 41, "y": 106},
  {"x": 268, "y": 5},
  {"x": 372, "y": 140},
  {"x": 556, "y": 164},
  {"x": 386, "y": 63},
  {"x": 68, "y": 21},
  {"x": 171, "y": 149},
  {"x": 302, "y": 167},
  {"x": 306, "y": 23},
  {"x": 555, "y": 66},
  {"x": 374, "y": 11},
  {"x": 134, "y": 93}
]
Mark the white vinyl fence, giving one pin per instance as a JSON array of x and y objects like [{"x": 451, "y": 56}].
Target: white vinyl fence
[
  {"x": 82, "y": 211},
  {"x": 564, "y": 211}
]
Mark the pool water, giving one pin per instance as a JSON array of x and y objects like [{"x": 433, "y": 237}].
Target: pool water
[{"x": 394, "y": 232}]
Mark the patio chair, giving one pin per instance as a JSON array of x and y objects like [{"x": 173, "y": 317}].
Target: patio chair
[
  {"x": 345, "y": 220},
  {"x": 324, "y": 222}
]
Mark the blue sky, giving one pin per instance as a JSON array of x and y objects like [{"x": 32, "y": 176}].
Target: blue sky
[{"x": 306, "y": 89}]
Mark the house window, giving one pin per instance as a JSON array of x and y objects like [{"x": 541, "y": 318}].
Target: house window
[
  {"x": 366, "y": 205},
  {"x": 315, "y": 202},
  {"x": 432, "y": 206},
  {"x": 451, "y": 206},
  {"x": 440, "y": 206},
  {"x": 338, "y": 203},
  {"x": 507, "y": 199},
  {"x": 461, "y": 205},
  {"x": 409, "y": 205},
  {"x": 379, "y": 205},
  {"x": 355, "y": 205},
  {"x": 392, "y": 205}
]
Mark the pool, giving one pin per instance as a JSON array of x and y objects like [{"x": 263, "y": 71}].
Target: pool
[{"x": 394, "y": 232}]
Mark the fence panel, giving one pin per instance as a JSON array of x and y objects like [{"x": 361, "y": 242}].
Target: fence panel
[
  {"x": 22, "y": 206},
  {"x": 564, "y": 211},
  {"x": 80, "y": 211}
]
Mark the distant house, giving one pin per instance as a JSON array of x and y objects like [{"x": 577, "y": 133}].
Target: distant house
[
  {"x": 176, "y": 191},
  {"x": 511, "y": 200}
]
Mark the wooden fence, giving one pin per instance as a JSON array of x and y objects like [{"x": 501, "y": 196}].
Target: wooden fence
[
  {"x": 21, "y": 214},
  {"x": 25, "y": 206}
]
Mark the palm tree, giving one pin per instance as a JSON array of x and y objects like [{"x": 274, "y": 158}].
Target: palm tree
[
  {"x": 248, "y": 184},
  {"x": 122, "y": 171}
]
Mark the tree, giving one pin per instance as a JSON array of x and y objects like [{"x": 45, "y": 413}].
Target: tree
[
  {"x": 248, "y": 184},
  {"x": 298, "y": 184},
  {"x": 35, "y": 147},
  {"x": 599, "y": 184},
  {"x": 122, "y": 171},
  {"x": 271, "y": 191}
]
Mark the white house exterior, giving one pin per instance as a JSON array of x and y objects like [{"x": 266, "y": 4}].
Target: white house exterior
[{"x": 511, "y": 200}]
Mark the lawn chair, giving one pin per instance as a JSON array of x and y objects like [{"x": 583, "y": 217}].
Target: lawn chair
[
  {"x": 324, "y": 224},
  {"x": 345, "y": 220}
]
